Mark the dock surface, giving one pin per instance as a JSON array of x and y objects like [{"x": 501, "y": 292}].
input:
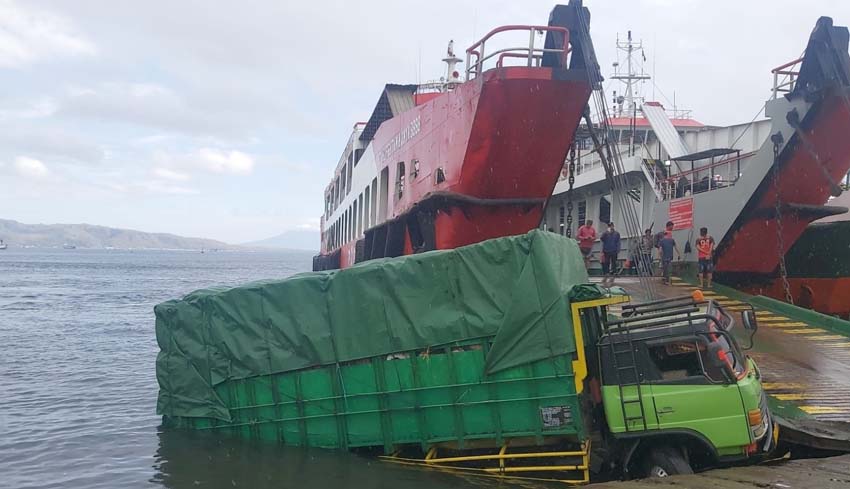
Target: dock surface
[{"x": 819, "y": 473}]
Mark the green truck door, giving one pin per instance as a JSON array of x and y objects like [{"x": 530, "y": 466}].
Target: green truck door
[{"x": 685, "y": 399}]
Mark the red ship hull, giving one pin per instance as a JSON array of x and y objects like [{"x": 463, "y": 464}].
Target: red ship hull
[
  {"x": 802, "y": 181},
  {"x": 498, "y": 143},
  {"x": 477, "y": 160},
  {"x": 825, "y": 295}
]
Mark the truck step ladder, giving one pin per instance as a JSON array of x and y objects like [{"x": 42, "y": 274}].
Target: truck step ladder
[{"x": 625, "y": 366}]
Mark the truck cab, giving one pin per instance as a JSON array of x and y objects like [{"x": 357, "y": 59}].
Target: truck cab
[{"x": 670, "y": 388}]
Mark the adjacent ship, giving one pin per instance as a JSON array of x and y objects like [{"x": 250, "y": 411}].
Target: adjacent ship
[
  {"x": 756, "y": 186},
  {"x": 451, "y": 163}
]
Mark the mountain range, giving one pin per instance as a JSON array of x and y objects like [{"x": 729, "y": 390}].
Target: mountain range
[
  {"x": 299, "y": 239},
  {"x": 17, "y": 234}
]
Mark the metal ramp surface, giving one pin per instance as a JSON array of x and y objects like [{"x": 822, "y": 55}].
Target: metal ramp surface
[{"x": 664, "y": 130}]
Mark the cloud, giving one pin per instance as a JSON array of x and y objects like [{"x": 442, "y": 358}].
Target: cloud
[
  {"x": 45, "y": 140},
  {"x": 199, "y": 111},
  {"x": 28, "y": 35},
  {"x": 234, "y": 162},
  {"x": 167, "y": 174},
  {"x": 157, "y": 187},
  {"x": 31, "y": 168},
  {"x": 149, "y": 187},
  {"x": 180, "y": 166},
  {"x": 37, "y": 109},
  {"x": 145, "y": 104}
]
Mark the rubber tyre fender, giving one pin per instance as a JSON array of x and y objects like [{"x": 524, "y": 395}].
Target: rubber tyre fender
[{"x": 665, "y": 461}]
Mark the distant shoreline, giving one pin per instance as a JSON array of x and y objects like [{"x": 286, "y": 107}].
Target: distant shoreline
[{"x": 233, "y": 249}]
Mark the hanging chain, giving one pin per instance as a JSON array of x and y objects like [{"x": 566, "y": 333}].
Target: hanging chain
[
  {"x": 780, "y": 244},
  {"x": 793, "y": 119},
  {"x": 571, "y": 179}
]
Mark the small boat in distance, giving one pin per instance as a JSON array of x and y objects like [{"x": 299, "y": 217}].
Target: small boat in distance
[
  {"x": 3, "y": 245},
  {"x": 68, "y": 246}
]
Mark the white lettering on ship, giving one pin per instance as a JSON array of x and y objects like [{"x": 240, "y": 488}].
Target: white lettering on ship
[{"x": 400, "y": 139}]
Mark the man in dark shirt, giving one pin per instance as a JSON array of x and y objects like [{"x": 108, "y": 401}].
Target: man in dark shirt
[
  {"x": 647, "y": 243},
  {"x": 666, "y": 246},
  {"x": 610, "y": 249}
]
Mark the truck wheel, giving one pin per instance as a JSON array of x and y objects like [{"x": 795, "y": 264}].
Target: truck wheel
[{"x": 666, "y": 461}]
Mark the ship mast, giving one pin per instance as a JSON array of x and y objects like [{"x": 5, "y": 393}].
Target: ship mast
[{"x": 630, "y": 77}]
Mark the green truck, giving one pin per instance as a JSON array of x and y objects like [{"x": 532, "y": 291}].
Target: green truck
[{"x": 496, "y": 358}]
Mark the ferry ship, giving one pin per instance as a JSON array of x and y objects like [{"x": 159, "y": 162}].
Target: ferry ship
[
  {"x": 465, "y": 159},
  {"x": 756, "y": 186}
]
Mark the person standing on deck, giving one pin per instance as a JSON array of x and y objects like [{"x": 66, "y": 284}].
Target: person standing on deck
[
  {"x": 647, "y": 243},
  {"x": 586, "y": 236},
  {"x": 610, "y": 249},
  {"x": 666, "y": 246},
  {"x": 705, "y": 253}
]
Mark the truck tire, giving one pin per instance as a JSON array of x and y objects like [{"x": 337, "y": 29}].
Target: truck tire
[{"x": 664, "y": 462}]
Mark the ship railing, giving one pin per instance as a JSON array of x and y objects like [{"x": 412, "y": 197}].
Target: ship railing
[
  {"x": 785, "y": 76},
  {"x": 714, "y": 176},
  {"x": 650, "y": 175},
  {"x": 476, "y": 55}
]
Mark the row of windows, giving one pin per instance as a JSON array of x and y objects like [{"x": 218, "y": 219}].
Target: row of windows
[
  {"x": 360, "y": 215},
  {"x": 342, "y": 184},
  {"x": 370, "y": 207}
]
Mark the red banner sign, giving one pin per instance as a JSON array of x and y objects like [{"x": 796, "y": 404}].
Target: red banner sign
[{"x": 682, "y": 213}]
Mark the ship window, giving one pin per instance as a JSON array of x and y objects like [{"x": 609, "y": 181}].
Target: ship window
[
  {"x": 348, "y": 187},
  {"x": 357, "y": 154},
  {"x": 383, "y": 203},
  {"x": 561, "y": 214},
  {"x": 367, "y": 208},
  {"x": 337, "y": 192},
  {"x": 374, "y": 219},
  {"x": 605, "y": 209},
  {"x": 351, "y": 212},
  {"x": 353, "y": 220},
  {"x": 441, "y": 175},
  {"x": 415, "y": 172},
  {"x": 361, "y": 221},
  {"x": 399, "y": 183},
  {"x": 355, "y": 226},
  {"x": 582, "y": 212}
]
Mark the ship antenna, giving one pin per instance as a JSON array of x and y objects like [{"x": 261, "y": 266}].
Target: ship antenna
[
  {"x": 630, "y": 77},
  {"x": 452, "y": 75}
]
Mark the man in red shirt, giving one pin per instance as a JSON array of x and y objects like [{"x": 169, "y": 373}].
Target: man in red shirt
[
  {"x": 705, "y": 251},
  {"x": 586, "y": 236}
]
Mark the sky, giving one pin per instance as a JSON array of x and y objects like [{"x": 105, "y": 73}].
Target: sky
[{"x": 226, "y": 119}]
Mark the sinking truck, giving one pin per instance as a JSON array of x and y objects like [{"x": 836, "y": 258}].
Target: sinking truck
[{"x": 496, "y": 358}]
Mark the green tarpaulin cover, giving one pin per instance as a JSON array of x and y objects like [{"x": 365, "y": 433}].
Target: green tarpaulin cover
[{"x": 514, "y": 289}]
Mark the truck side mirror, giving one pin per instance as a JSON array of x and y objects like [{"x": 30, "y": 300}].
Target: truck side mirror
[{"x": 750, "y": 322}]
